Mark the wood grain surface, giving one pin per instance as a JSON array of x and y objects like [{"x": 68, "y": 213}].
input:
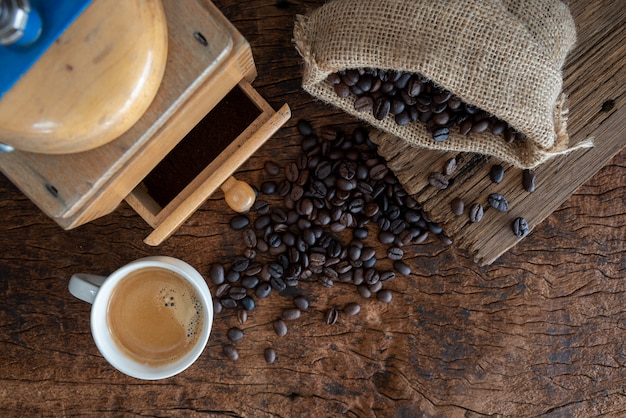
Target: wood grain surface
[{"x": 540, "y": 332}]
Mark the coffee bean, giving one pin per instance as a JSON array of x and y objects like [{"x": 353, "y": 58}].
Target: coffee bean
[
  {"x": 230, "y": 352},
  {"x": 216, "y": 273},
  {"x": 280, "y": 327},
  {"x": 263, "y": 290},
  {"x": 449, "y": 168},
  {"x": 291, "y": 313},
  {"x": 237, "y": 293},
  {"x": 528, "y": 180},
  {"x": 381, "y": 108},
  {"x": 240, "y": 264},
  {"x": 384, "y": 295},
  {"x": 228, "y": 303},
  {"x": 331, "y": 316},
  {"x": 496, "y": 173},
  {"x": 217, "y": 306},
  {"x": 304, "y": 127},
  {"x": 352, "y": 308},
  {"x": 364, "y": 291},
  {"x": 364, "y": 104},
  {"x": 395, "y": 253},
  {"x": 242, "y": 316},
  {"x": 438, "y": 180},
  {"x": 235, "y": 334},
  {"x": 270, "y": 355},
  {"x": 250, "y": 282},
  {"x": 498, "y": 202},
  {"x": 402, "y": 268},
  {"x": 520, "y": 227},
  {"x": 238, "y": 222},
  {"x": 301, "y": 303},
  {"x": 249, "y": 238},
  {"x": 480, "y": 126},
  {"x": 261, "y": 206},
  {"x": 476, "y": 212},
  {"x": 269, "y": 187},
  {"x": 458, "y": 206},
  {"x": 441, "y": 134}
]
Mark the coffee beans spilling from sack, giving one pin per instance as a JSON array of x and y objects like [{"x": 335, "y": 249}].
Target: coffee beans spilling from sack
[
  {"x": 412, "y": 98},
  {"x": 502, "y": 57}
]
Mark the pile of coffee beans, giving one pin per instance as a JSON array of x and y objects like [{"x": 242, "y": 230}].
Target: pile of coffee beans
[
  {"x": 315, "y": 225},
  {"x": 410, "y": 97}
]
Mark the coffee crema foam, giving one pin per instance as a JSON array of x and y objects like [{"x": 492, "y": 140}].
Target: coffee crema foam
[{"x": 155, "y": 316}]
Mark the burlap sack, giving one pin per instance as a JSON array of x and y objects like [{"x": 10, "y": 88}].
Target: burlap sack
[{"x": 503, "y": 56}]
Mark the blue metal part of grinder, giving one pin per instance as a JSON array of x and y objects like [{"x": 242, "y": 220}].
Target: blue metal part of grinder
[{"x": 56, "y": 16}]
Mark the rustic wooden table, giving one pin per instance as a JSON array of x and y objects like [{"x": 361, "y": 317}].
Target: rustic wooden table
[{"x": 539, "y": 332}]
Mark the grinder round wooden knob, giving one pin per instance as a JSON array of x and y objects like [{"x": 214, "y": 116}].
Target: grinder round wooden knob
[
  {"x": 239, "y": 195},
  {"x": 92, "y": 84}
]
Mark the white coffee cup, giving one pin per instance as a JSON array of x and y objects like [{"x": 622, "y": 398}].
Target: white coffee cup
[{"x": 101, "y": 293}]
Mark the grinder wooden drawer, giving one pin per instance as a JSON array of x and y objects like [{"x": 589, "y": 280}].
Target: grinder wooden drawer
[{"x": 205, "y": 159}]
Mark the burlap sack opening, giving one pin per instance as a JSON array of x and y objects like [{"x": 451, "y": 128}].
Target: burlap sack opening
[{"x": 503, "y": 56}]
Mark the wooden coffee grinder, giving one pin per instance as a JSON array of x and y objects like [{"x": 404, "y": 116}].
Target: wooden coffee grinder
[{"x": 115, "y": 96}]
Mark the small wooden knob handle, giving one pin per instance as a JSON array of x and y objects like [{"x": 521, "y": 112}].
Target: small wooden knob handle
[{"x": 239, "y": 195}]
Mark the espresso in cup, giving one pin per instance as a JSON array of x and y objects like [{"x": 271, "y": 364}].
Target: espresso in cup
[
  {"x": 155, "y": 316},
  {"x": 151, "y": 319}
]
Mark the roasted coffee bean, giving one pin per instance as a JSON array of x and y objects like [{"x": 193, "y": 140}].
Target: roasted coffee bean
[
  {"x": 242, "y": 316},
  {"x": 458, "y": 206},
  {"x": 364, "y": 104},
  {"x": 240, "y": 264},
  {"x": 520, "y": 227},
  {"x": 228, "y": 303},
  {"x": 498, "y": 202},
  {"x": 250, "y": 282},
  {"x": 364, "y": 291},
  {"x": 402, "y": 268},
  {"x": 249, "y": 238},
  {"x": 480, "y": 126},
  {"x": 301, "y": 303},
  {"x": 263, "y": 290},
  {"x": 270, "y": 355},
  {"x": 216, "y": 273},
  {"x": 476, "y": 212},
  {"x": 386, "y": 237},
  {"x": 269, "y": 187},
  {"x": 395, "y": 253},
  {"x": 387, "y": 275},
  {"x": 238, "y": 222},
  {"x": 237, "y": 293},
  {"x": 381, "y": 108},
  {"x": 235, "y": 334},
  {"x": 247, "y": 303},
  {"x": 441, "y": 134},
  {"x": 465, "y": 127},
  {"x": 261, "y": 206},
  {"x": 438, "y": 180},
  {"x": 449, "y": 168},
  {"x": 331, "y": 316},
  {"x": 280, "y": 327},
  {"x": 496, "y": 173},
  {"x": 290, "y": 314},
  {"x": 231, "y": 352},
  {"x": 375, "y": 287},
  {"x": 262, "y": 222},
  {"x": 304, "y": 127},
  {"x": 384, "y": 295},
  {"x": 292, "y": 172},
  {"x": 272, "y": 168},
  {"x": 352, "y": 308},
  {"x": 528, "y": 180}
]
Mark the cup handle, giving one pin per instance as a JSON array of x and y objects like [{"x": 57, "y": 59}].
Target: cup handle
[{"x": 85, "y": 286}]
